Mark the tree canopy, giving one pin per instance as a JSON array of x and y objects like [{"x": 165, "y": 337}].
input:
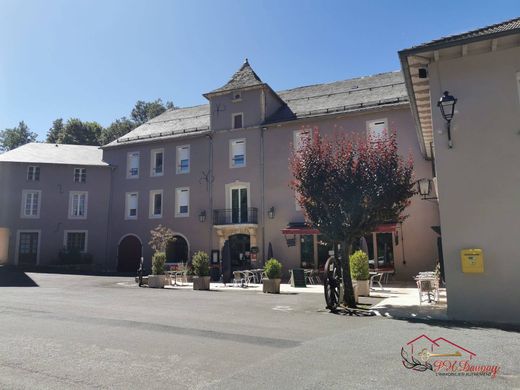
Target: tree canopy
[
  {"x": 117, "y": 129},
  {"x": 144, "y": 111},
  {"x": 349, "y": 185},
  {"x": 15, "y": 137}
]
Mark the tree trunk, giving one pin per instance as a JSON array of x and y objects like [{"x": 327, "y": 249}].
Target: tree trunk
[{"x": 348, "y": 288}]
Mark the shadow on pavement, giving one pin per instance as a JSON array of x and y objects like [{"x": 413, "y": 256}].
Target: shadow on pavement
[{"x": 14, "y": 277}]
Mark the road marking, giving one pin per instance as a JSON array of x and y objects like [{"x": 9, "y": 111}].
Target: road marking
[{"x": 282, "y": 308}]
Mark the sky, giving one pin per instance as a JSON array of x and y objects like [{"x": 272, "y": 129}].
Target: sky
[{"x": 93, "y": 59}]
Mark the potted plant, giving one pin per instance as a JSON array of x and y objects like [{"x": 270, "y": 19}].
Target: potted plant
[
  {"x": 157, "y": 279},
  {"x": 359, "y": 273},
  {"x": 200, "y": 266},
  {"x": 273, "y": 276}
]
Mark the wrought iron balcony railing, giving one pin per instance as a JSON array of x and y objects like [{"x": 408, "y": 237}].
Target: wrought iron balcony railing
[{"x": 235, "y": 216}]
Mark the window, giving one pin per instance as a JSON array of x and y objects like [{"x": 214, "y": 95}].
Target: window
[
  {"x": 33, "y": 173},
  {"x": 238, "y": 153},
  {"x": 76, "y": 240},
  {"x": 78, "y": 204},
  {"x": 132, "y": 164},
  {"x": 31, "y": 203},
  {"x": 182, "y": 202},
  {"x": 237, "y": 121},
  {"x": 156, "y": 203},
  {"x": 183, "y": 159},
  {"x": 131, "y": 205},
  {"x": 157, "y": 162},
  {"x": 377, "y": 129},
  {"x": 237, "y": 96},
  {"x": 80, "y": 175},
  {"x": 300, "y": 137}
]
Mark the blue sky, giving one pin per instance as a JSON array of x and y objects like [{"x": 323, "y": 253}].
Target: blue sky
[{"x": 93, "y": 59}]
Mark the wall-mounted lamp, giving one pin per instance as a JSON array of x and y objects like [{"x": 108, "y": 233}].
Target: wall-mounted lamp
[
  {"x": 447, "y": 105},
  {"x": 270, "y": 213},
  {"x": 202, "y": 216},
  {"x": 424, "y": 188}
]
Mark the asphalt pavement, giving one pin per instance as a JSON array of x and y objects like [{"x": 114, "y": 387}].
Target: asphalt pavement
[{"x": 104, "y": 332}]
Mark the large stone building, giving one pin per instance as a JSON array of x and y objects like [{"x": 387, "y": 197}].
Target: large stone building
[{"x": 214, "y": 173}]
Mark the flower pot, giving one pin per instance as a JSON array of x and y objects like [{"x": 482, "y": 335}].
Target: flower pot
[
  {"x": 156, "y": 281},
  {"x": 363, "y": 287},
  {"x": 201, "y": 282},
  {"x": 271, "y": 286}
]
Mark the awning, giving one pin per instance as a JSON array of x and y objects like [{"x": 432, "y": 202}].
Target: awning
[
  {"x": 305, "y": 229},
  {"x": 386, "y": 228}
]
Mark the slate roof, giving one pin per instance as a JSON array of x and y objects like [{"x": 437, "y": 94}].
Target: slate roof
[
  {"x": 243, "y": 78},
  {"x": 42, "y": 153},
  {"x": 385, "y": 89},
  {"x": 488, "y": 32}
]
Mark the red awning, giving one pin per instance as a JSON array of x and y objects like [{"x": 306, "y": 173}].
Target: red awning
[
  {"x": 386, "y": 228},
  {"x": 300, "y": 230}
]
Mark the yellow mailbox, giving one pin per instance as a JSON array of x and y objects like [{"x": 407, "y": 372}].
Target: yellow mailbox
[{"x": 472, "y": 260}]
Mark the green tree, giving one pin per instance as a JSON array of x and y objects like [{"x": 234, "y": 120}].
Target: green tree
[
  {"x": 55, "y": 132},
  {"x": 76, "y": 132},
  {"x": 117, "y": 129},
  {"x": 144, "y": 111},
  {"x": 17, "y": 136},
  {"x": 347, "y": 186}
]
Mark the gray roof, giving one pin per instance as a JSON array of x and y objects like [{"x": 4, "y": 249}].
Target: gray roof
[
  {"x": 385, "y": 89},
  {"x": 245, "y": 77},
  {"x": 488, "y": 32},
  {"x": 41, "y": 153}
]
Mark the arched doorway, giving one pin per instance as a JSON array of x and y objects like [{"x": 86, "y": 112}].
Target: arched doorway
[
  {"x": 177, "y": 250},
  {"x": 129, "y": 254},
  {"x": 239, "y": 246}
]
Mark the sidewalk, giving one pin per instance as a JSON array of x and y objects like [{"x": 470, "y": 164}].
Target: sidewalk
[{"x": 403, "y": 302}]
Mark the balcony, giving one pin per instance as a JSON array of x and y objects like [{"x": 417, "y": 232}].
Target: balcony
[{"x": 235, "y": 216}]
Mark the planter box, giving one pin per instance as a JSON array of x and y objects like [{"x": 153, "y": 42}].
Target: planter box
[
  {"x": 201, "y": 282},
  {"x": 363, "y": 287},
  {"x": 271, "y": 286},
  {"x": 156, "y": 281}
]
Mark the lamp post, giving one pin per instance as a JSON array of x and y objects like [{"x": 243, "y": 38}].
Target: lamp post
[
  {"x": 424, "y": 187},
  {"x": 270, "y": 213},
  {"x": 447, "y": 106},
  {"x": 202, "y": 216}
]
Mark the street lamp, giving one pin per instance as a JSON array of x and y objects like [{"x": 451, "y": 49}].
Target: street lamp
[
  {"x": 424, "y": 187},
  {"x": 202, "y": 216},
  {"x": 270, "y": 213},
  {"x": 447, "y": 105}
]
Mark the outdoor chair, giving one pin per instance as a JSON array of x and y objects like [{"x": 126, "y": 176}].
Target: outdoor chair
[
  {"x": 376, "y": 277},
  {"x": 238, "y": 279}
]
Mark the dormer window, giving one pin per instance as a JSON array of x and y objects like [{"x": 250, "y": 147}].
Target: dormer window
[
  {"x": 237, "y": 96},
  {"x": 237, "y": 120}
]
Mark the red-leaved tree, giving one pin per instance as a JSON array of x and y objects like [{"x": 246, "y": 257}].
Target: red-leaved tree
[{"x": 348, "y": 185}]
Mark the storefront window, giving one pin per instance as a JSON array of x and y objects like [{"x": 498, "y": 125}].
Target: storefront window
[
  {"x": 385, "y": 251},
  {"x": 307, "y": 251}
]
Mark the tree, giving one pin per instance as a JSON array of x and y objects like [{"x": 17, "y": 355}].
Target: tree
[
  {"x": 17, "y": 136},
  {"x": 76, "y": 132},
  {"x": 55, "y": 132},
  {"x": 117, "y": 129},
  {"x": 160, "y": 237},
  {"x": 349, "y": 185},
  {"x": 144, "y": 111}
]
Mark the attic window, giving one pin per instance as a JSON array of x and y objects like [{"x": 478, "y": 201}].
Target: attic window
[
  {"x": 237, "y": 96},
  {"x": 237, "y": 121}
]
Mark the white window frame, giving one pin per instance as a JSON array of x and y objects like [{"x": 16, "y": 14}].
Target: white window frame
[
  {"x": 33, "y": 176},
  {"x": 65, "y": 234},
  {"x": 297, "y": 136},
  {"x": 71, "y": 204},
  {"x": 231, "y": 155},
  {"x": 82, "y": 174},
  {"x": 370, "y": 123},
  {"x": 153, "y": 154},
  {"x": 233, "y": 116},
  {"x": 128, "y": 160},
  {"x": 127, "y": 204},
  {"x": 152, "y": 203},
  {"x": 24, "y": 200},
  {"x": 178, "y": 158},
  {"x": 178, "y": 214}
]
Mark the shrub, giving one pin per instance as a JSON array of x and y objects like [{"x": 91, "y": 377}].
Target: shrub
[
  {"x": 158, "y": 260},
  {"x": 359, "y": 266},
  {"x": 273, "y": 269},
  {"x": 200, "y": 263}
]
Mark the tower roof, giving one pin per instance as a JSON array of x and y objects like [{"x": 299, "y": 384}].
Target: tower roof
[{"x": 245, "y": 77}]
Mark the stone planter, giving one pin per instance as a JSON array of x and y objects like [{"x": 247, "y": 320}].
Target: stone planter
[
  {"x": 156, "y": 281},
  {"x": 271, "y": 286},
  {"x": 201, "y": 282},
  {"x": 363, "y": 287}
]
